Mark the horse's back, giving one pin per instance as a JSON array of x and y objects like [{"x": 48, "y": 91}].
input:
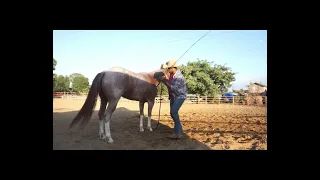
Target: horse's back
[
  {"x": 116, "y": 78},
  {"x": 135, "y": 86},
  {"x": 119, "y": 70}
]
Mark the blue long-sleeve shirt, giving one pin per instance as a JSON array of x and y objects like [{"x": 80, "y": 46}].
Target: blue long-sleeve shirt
[{"x": 178, "y": 88}]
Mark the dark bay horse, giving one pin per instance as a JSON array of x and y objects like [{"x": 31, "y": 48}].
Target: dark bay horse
[{"x": 113, "y": 84}]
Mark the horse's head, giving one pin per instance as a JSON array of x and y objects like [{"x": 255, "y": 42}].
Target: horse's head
[{"x": 161, "y": 72}]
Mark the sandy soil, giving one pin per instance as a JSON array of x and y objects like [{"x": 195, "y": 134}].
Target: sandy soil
[{"x": 207, "y": 126}]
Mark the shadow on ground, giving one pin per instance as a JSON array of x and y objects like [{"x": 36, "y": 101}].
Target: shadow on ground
[{"x": 124, "y": 130}]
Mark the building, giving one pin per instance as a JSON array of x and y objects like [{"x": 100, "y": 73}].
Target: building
[
  {"x": 255, "y": 88},
  {"x": 240, "y": 92}
]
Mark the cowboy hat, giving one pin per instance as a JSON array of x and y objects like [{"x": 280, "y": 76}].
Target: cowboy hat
[{"x": 170, "y": 63}]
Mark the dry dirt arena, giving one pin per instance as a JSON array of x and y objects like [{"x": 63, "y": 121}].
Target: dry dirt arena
[{"x": 206, "y": 127}]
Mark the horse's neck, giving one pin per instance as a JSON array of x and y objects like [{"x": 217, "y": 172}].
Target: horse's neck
[
  {"x": 146, "y": 76},
  {"x": 149, "y": 76}
]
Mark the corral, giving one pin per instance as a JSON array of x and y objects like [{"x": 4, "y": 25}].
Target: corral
[{"x": 206, "y": 127}]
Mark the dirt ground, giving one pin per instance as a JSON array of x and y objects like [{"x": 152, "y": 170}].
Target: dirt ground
[{"x": 206, "y": 127}]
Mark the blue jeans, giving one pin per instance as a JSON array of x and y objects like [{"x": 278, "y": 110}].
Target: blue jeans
[{"x": 175, "y": 105}]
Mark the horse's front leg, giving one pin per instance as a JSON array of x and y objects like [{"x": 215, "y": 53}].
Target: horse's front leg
[
  {"x": 141, "y": 106},
  {"x": 150, "y": 106}
]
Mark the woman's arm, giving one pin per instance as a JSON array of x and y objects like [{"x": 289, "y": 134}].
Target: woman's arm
[{"x": 177, "y": 86}]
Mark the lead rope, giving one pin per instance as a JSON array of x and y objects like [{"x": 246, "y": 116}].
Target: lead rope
[{"x": 159, "y": 108}]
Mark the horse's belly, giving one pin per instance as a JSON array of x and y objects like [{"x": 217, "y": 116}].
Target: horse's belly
[{"x": 133, "y": 95}]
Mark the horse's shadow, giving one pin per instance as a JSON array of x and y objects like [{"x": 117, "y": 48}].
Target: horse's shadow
[{"x": 124, "y": 130}]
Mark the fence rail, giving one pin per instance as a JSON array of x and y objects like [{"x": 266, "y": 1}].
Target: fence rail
[{"x": 235, "y": 100}]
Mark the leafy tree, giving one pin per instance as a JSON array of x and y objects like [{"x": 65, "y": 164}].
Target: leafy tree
[
  {"x": 54, "y": 75},
  {"x": 61, "y": 83},
  {"x": 54, "y": 80},
  {"x": 204, "y": 79},
  {"x": 80, "y": 83},
  {"x": 223, "y": 76},
  {"x": 54, "y": 64},
  {"x": 72, "y": 76}
]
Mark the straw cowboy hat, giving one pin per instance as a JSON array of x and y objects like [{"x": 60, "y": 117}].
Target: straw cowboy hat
[{"x": 170, "y": 63}]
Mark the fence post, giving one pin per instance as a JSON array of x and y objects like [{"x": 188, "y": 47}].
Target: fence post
[
  {"x": 206, "y": 99},
  {"x": 232, "y": 100},
  {"x": 219, "y": 100}
]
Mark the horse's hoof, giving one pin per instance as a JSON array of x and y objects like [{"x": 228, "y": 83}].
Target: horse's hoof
[
  {"x": 150, "y": 129},
  {"x": 110, "y": 141},
  {"x": 103, "y": 137},
  {"x": 100, "y": 135},
  {"x": 141, "y": 129}
]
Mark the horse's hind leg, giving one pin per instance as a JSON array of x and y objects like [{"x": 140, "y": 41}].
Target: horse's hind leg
[
  {"x": 150, "y": 106},
  {"x": 112, "y": 105},
  {"x": 141, "y": 107},
  {"x": 102, "y": 116}
]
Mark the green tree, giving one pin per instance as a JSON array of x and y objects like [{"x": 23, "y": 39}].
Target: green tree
[
  {"x": 204, "y": 79},
  {"x": 54, "y": 80},
  {"x": 80, "y": 83},
  {"x": 223, "y": 76},
  {"x": 54, "y": 64},
  {"x": 54, "y": 75},
  {"x": 62, "y": 83},
  {"x": 72, "y": 76}
]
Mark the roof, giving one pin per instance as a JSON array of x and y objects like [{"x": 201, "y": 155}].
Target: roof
[{"x": 258, "y": 84}]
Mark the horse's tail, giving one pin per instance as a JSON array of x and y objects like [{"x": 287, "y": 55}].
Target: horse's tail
[{"x": 87, "y": 109}]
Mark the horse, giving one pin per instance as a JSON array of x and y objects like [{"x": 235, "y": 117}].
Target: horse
[{"x": 111, "y": 85}]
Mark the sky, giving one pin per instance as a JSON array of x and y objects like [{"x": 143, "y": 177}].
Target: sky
[{"x": 89, "y": 52}]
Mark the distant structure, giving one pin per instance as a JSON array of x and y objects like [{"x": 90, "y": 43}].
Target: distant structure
[
  {"x": 240, "y": 92},
  {"x": 257, "y": 88}
]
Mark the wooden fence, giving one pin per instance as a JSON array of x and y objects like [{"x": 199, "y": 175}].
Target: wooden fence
[{"x": 235, "y": 100}]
